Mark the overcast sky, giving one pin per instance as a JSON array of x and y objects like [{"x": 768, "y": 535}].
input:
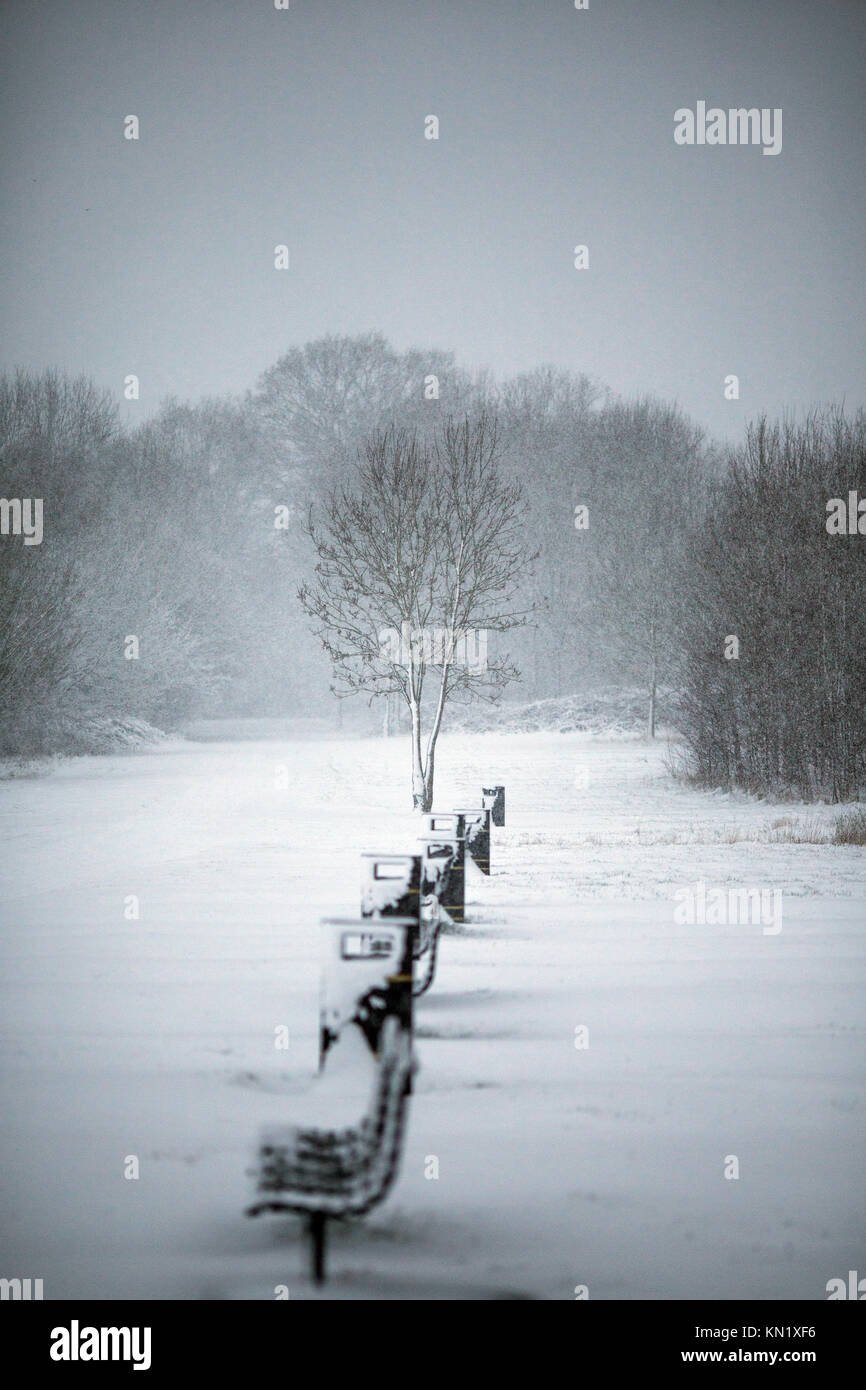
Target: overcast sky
[{"x": 260, "y": 126}]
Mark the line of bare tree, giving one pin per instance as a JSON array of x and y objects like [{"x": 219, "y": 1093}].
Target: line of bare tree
[{"x": 395, "y": 489}]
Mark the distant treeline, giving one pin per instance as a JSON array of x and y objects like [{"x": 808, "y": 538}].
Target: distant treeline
[{"x": 656, "y": 547}]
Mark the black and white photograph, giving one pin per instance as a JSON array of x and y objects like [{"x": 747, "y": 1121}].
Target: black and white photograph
[{"x": 433, "y": 662}]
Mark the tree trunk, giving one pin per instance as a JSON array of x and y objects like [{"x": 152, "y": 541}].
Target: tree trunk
[
  {"x": 428, "y": 779},
  {"x": 419, "y": 790},
  {"x": 651, "y": 715}
]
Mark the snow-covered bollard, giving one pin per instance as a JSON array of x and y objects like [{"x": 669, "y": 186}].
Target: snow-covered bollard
[
  {"x": 401, "y": 885},
  {"x": 446, "y": 823},
  {"x": 494, "y": 799},
  {"x": 391, "y": 885},
  {"x": 440, "y": 854},
  {"x": 451, "y": 824},
  {"x": 343, "y": 1159},
  {"x": 446, "y": 834},
  {"x": 366, "y": 977},
  {"x": 477, "y": 821}
]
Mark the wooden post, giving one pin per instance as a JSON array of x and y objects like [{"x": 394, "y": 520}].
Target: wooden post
[
  {"x": 452, "y": 885},
  {"x": 451, "y": 825},
  {"x": 494, "y": 798},
  {"x": 390, "y": 885},
  {"x": 365, "y": 957},
  {"x": 317, "y": 1228},
  {"x": 477, "y": 820}
]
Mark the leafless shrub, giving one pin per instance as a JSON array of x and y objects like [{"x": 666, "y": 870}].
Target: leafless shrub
[{"x": 850, "y": 827}]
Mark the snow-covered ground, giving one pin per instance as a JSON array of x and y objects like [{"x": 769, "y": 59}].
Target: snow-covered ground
[{"x": 559, "y": 1166}]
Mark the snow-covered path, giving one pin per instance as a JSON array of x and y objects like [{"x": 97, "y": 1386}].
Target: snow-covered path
[{"x": 602, "y": 1166}]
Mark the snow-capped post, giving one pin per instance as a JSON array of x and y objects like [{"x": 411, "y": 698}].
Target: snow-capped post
[
  {"x": 440, "y": 857},
  {"x": 477, "y": 820},
  {"x": 391, "y": 885},
  {"x": 450, "y": 827},
  {"x": 344, "y": 1164},
  {"x": 404, "y": 885},
  {"x": 494, "y": 798},
  {"x": 366, "y": 976}
]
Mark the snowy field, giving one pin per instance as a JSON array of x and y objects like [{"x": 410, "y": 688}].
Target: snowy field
[{"x": 558, "y": 1166}]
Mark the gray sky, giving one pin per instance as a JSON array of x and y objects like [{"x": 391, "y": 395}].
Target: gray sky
[{"x": 261, "y": 126}]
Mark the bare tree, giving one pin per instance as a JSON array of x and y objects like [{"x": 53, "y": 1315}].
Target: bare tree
[{"x": 414, "y": 569}]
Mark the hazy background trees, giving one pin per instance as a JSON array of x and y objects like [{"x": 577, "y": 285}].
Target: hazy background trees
[
  {"x": 190, "y": 533},
  {"x": 547, "y": 418},
  {"x": 646, "y": 489},
  {"x": 319, "y": 404}
]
